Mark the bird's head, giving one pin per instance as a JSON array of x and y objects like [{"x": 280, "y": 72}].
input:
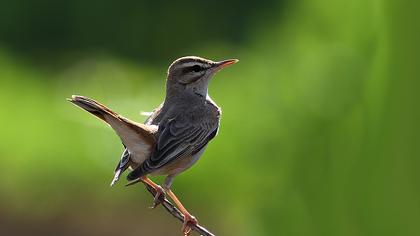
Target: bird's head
[{"x": 193, "y": 73}]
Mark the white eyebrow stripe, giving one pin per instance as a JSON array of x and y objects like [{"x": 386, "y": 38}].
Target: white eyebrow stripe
[{"x": 191, "y": 64}]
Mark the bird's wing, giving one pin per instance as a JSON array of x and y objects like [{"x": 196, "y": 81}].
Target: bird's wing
[
  {"x": 135, "y": 136},
  {"x": 152, "y": 116},
  {"x": 176, "y": 139}
]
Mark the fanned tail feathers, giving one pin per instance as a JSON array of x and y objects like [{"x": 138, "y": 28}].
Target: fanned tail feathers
[{"x": 136, "y": 137}]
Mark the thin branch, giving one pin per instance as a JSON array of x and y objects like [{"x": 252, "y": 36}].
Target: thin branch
[{"x": 177, "y": 214}]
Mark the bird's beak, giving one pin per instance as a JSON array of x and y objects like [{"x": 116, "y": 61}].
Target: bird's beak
[{"x": 222, "y": 64}]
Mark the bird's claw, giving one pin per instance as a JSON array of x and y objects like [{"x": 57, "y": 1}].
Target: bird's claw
[
  {"x": 188, "y": 221},
  {"x": 159, "y": 196}
]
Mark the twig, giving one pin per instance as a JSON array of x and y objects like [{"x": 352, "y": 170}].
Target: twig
[{"x": 176, "y": 213}]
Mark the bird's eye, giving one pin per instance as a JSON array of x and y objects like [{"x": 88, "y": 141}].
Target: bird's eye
[{"x": 196, "y": 68}]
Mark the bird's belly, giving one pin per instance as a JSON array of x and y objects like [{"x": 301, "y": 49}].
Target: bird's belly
[{"x": 179, "y": 165}]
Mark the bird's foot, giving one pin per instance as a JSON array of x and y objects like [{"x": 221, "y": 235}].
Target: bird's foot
[
  {"x": 159, "y": 197},
  {"x": 189, "y": 220}
]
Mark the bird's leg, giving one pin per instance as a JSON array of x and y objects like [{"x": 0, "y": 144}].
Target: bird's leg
[
  {"x": 188, "y": 218},
  {"x": 160, "y": 192}
]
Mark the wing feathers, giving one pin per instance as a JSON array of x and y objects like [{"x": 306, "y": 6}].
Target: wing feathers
[{"x": 176, "y": 139}]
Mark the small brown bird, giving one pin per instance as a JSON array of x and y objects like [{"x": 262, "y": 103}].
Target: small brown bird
[{"x": 175, "y": 135}]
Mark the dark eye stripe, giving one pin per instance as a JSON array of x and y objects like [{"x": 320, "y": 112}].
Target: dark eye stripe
[{"x": 194, "y": 68}]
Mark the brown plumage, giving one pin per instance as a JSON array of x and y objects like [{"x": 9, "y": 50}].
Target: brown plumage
[
  {"x": 175, "y": 135},
  {"x": 137, "y": 137}
]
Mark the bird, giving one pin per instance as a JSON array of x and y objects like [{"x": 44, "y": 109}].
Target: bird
[{"x": 175, "y": 134}]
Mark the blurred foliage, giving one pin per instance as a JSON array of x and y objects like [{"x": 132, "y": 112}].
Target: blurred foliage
[
  {"x": 149, "y": 31},
  {"x": 320, "y": 126}
]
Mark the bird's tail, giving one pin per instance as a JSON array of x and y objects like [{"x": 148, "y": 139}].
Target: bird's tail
[
  {"x": 120, "y": 124},
  {"x": 94, "y": 107},
  {"x": 136, "y": 137}
]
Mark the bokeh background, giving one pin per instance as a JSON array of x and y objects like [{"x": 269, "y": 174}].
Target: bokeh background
[{"x": 320, "y": 127}]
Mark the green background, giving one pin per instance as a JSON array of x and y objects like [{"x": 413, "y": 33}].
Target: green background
[{"x": 319, "y": 132}]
